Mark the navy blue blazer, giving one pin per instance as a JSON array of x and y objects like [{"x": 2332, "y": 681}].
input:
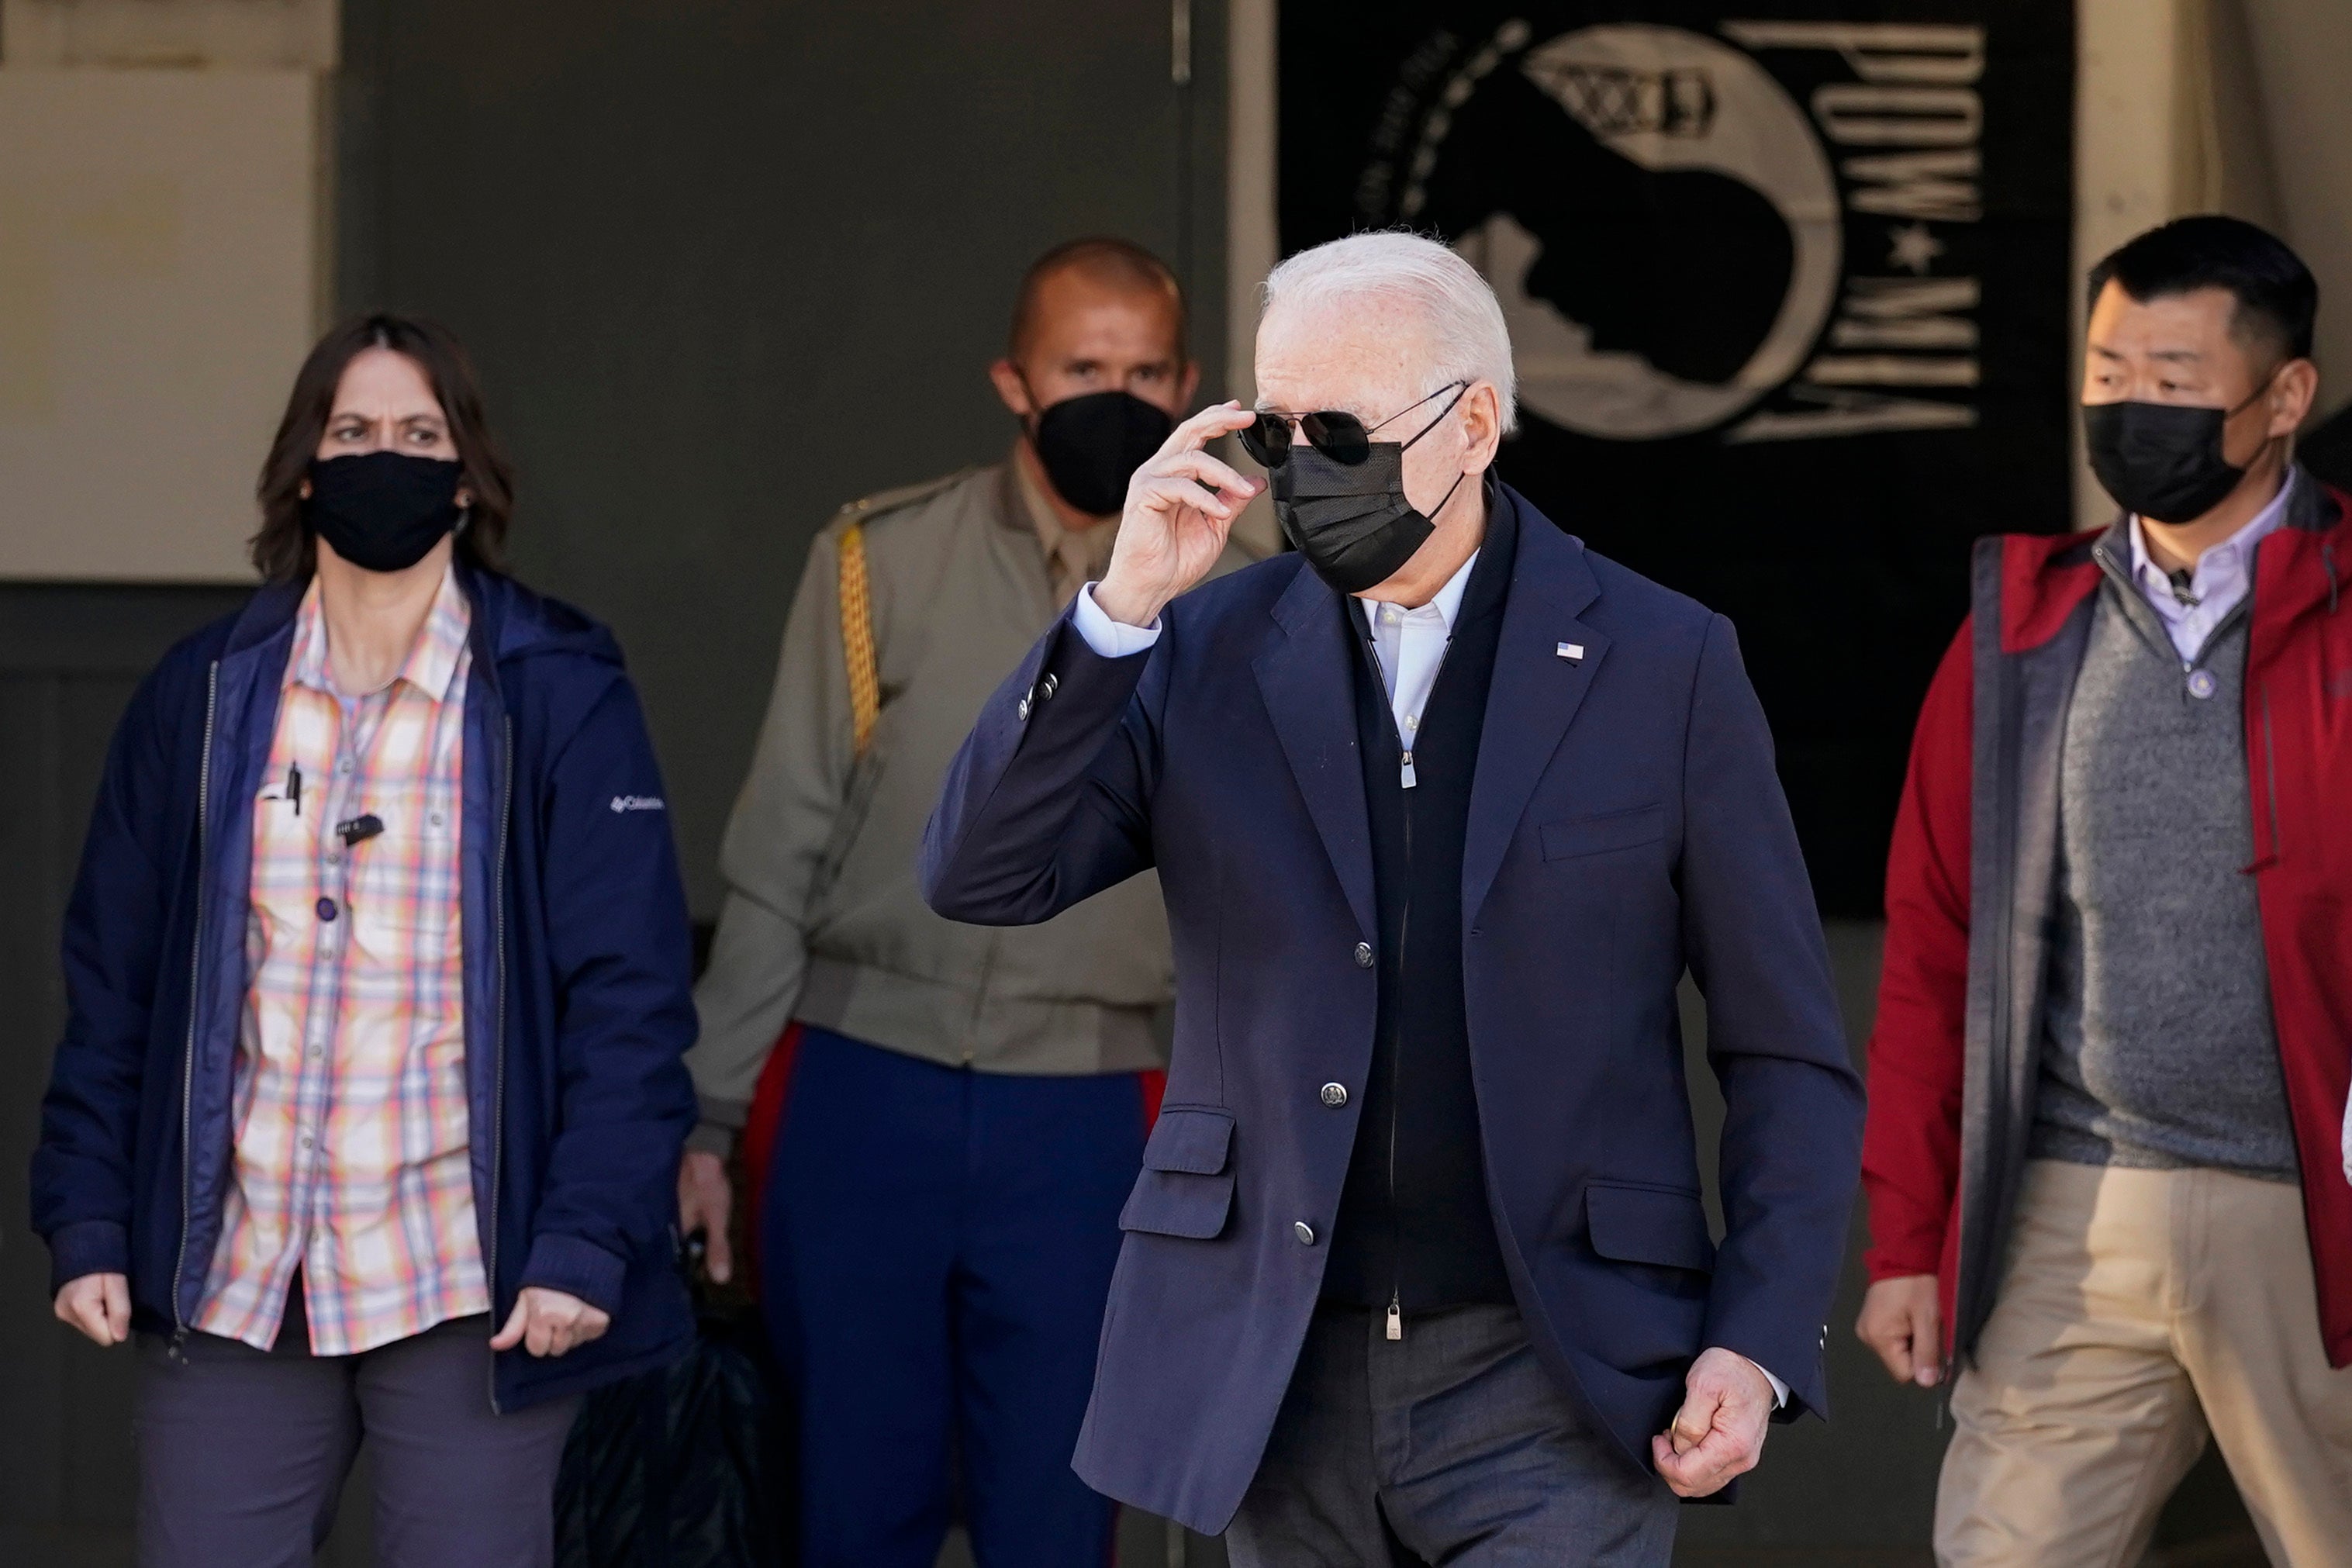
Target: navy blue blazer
[
  {"x": 1625, "y": 824},
  {"x": 578, "y": 970}
]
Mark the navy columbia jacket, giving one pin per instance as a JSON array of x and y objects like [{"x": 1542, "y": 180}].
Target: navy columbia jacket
[
  {"x": 1625, "y": 825},
  {"x": 577, "y": 973}
]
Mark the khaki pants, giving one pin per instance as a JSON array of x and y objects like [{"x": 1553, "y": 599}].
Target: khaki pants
[{"x": 2140, "y": 1308}]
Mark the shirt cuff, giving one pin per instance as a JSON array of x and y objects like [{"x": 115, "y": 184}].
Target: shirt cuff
[
  {"x": 711, "y": 1137},
  {"x": 1109, "y": 638},
  {"x": 1779, "y": 1389}
]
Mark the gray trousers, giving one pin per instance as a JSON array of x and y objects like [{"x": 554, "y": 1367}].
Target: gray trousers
[
  {"x": 1452, "y": 1446},
  {"x": 243, "y": 1453}
]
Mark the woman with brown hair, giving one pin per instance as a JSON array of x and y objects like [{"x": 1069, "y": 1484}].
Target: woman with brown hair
[{"x": 369, "y": 1100}]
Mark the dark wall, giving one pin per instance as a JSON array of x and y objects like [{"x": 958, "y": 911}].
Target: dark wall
[
  {"x": 69, "y": 658},
  {"x": 727, "y": 266}
]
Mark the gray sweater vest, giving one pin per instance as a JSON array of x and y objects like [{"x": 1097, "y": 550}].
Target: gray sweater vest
[{"x": 2158, "y": 1050}]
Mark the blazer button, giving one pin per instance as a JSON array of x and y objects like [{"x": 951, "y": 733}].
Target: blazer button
[
  {"x": 1306, "y": 1233},
  {"x": 1335, "y": 1095},
  {"x": 1363, "y": 956}
]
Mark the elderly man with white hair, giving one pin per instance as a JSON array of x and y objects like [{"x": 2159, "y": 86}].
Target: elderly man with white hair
[{"x": 1443, "y": 806}]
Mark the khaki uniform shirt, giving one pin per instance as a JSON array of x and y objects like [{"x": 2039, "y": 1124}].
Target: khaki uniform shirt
[{"x": 822, "y": 920}]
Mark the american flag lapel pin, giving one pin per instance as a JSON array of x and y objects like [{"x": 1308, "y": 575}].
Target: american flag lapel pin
[{"x": 1572, "y": 651}]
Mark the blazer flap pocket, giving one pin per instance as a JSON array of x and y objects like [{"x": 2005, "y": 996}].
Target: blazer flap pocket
[
  {"x": 1192, "y": 1141},
  {"x": 1177, "y": 1202},
  {"x": 1649, "y": 1225},
  {"x": 1611, "y": 830}
]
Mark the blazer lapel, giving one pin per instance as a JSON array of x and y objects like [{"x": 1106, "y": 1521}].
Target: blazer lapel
[
  {"x": 1536, "y": 691},
  {"x": 1307, "y": 678}
]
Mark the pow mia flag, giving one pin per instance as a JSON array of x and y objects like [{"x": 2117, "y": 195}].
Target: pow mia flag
[{"x": 1788, "y": 286}]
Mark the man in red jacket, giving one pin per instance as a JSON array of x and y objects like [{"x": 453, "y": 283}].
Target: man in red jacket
[{"x": 2115, "y": 1026}]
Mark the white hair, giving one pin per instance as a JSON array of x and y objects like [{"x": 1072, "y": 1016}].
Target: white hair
[{"x": 1465, "y": 324}]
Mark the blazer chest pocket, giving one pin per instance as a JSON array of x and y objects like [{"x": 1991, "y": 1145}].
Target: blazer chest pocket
[
  {"x": 1598, "y": 834},
  {"x": 1657, "y": 1226},
  {"x": 1187, "y": 1185}
]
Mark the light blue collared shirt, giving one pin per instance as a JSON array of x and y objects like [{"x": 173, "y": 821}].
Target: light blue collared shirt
[{"x": 2223, "y": 576}]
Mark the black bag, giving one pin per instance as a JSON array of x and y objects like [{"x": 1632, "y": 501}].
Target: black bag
[{"x": 687, "y": 1467}]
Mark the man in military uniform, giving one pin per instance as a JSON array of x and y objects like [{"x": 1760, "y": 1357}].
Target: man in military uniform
[{"x": 957, "y": 1112}]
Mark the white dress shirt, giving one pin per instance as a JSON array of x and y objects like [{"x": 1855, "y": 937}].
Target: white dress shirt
[
  {"x": 1109, "y": 638},
  {"x": 2223, "y": 577},
  {"x": 1411, "y": 645}
]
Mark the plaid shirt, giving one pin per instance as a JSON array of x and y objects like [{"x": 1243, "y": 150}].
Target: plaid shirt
[{"x": 350, "y": 1103}]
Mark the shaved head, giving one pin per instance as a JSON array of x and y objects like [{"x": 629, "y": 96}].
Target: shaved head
[{"x": 1107, "y": 266}]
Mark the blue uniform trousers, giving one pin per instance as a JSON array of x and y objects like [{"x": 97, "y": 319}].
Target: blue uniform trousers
[{"x": 936, "y": 1247}]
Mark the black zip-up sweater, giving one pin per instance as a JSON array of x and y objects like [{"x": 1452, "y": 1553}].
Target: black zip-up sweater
[{"x": 1413, "y": 1227}]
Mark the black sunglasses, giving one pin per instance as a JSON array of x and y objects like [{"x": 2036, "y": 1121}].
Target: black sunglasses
[{"x": 1340, "y": 437}]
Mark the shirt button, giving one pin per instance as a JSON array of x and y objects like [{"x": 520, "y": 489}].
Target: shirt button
[
  {"x": 1305, "y": 1232},
  {"x": 306, "y": 1139},
  {"x": 344, "y": 764},
  {"x": 1335, "y": 1095},
  {"x": 326, "y": 908},
  {"x": 1363, "y": 950},
  {"x": 335, "y": 857},
  {"x": 1413, "y": 720},
  {"x": 2201, "y": 683}
]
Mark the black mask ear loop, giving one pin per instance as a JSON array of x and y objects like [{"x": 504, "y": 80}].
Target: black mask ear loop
[
  {"x": 1431, "y": 513},
  {"x": 1461, "y": 392},
  {"x": 2255, "y": 397}
]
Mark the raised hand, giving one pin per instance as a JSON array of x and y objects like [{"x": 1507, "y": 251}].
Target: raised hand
[{"x": 1179, "y": 506}]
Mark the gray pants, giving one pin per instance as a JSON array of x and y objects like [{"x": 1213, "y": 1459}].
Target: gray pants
[
  {"x": 243, "y": 1453},
  {"x": 1452, "y": 1444}
]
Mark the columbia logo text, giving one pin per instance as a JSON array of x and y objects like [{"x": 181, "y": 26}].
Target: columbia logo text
[{"x": 638, "y": 803}]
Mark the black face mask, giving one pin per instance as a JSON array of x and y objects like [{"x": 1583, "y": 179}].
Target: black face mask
[
  {"x": 2160, "y": 460},
  {"x": 1091, "y": 445},
  {"x": 383, "y": 511},
  {"x": 1350, "y": 520}
]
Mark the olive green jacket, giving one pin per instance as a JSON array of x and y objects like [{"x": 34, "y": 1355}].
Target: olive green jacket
[{"x": 823, "y": 921}]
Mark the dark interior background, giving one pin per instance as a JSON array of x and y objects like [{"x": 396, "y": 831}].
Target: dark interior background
[{"x": 727, "y": 266}]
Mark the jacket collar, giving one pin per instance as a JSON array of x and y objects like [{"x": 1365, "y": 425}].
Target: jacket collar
[
  {"x": 2044, "y": 578},
  {"x": 2314, "y": 508},
  {"x": 1545, "y": 661},
  {"x": 510, "y": 621}
]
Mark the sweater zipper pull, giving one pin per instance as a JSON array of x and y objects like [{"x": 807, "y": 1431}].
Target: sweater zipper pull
[
  {"x": 1407, "y": 771},
  {"x": 1396, "y": 1318}
]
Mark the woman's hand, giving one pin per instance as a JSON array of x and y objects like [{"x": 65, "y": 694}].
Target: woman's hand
[
  {"x": 549, "y": 1322},
  {"x": 99, "y": 1305}
]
